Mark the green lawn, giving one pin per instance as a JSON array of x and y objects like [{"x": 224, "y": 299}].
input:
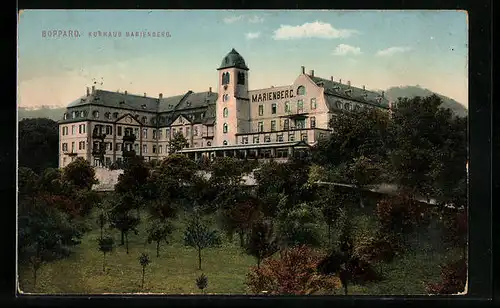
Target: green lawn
[{"x": 175, "y": 271}]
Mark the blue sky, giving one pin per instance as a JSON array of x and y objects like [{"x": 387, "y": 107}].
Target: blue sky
[{"x": 379, "y": 49}]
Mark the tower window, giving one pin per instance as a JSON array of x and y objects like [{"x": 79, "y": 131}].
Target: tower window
[
  {"x": 224, "y": 128},
  {"x": 225, "y": 97},
  {"x": 225, "y": 78},
  {"x": 301, "y": 90},
  {"x": 225, "y": 112},
  {"x": 241, "y": 78}
]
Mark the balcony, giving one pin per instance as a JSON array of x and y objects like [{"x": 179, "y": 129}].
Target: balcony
[
  {"x": 130, "y": 153},
  {"x": 129, "y": 138},
  {"x": 98, "y": 135},
  {"x": 70, "y": 153},
  {"x": 98, "y": 151},
  {"x": 207, "y": 135}
]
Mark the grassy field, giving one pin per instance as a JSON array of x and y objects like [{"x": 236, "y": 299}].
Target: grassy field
[{"x": 175, "y": 271}]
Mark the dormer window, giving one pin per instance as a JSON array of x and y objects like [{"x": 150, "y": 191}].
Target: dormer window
[
  {"x": 107, "y": 115},
  {"x": 65, "y": 116},
  {"x": 144, "y": 120},
  {"x": 82, "y": 114},
  {"x": 143, "y": 106},
  {"x": 188, "y": 103},
  {"x": 73, "y": 114},
  {"x": 95, "y": 114},
  {"x": 348, "y": 92},
  {"x": 115, "y": 115},
  {"x": 170, "y": 106},
  {"x": 202, "y": 115}
]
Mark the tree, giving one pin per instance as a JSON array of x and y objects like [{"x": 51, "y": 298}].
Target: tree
[
  {"x": 132, "y": 185},
  {"x": 330, "y": 202},
  {"x": 80, "y": 174},
  {"x": 299, "y": 226},
  {"x": 105, "y": 246},
  {"x": 158, "y": 232},
  {"x": 293, "y": 274},
  {"x": 36, "y": 263},
  {"x": 177, "y": 143},
  {"x": 202, "y": 282},
  {"x": 262, "y": 242},
  {"x": 125, "y": 222},
  {"x": 453, "y": 279},
  {"x": 38, "y": 144},
  {"x": 199, "y": 236},
  {"x": 144, "y": 261}
]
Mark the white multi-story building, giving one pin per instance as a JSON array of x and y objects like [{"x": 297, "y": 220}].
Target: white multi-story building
[{"x": 104, "y": 126}]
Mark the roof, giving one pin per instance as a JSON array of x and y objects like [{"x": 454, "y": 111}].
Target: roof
[
  {"x": 337, "y": 89},
  {"x": 233, "y": 59}
]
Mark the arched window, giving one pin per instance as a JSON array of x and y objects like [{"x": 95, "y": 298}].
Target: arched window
[
  {"x": 65, "y": 116},
  {"x": 73, "y": 114},
  {"x": 82, "y": 114},
  {"x": 224, "y": 128},
  {"x": 301, "y": 90},
  {"x": 228, "y": 79},
  {"x": 241, "y": 78},
  {"x": 96, "y": 114},
  {"x": 225, "y": 142},
  {"x": 225, "y": 112},
  {"x": 225, "y": 78}
]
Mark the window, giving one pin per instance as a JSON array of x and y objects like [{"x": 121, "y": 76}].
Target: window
[
  {"x": 256, "y": 139},
  {"x": 109, "y": 130},
  {"x": 347, "y": 106},
  {"x": 73, "y": 114},
  {"x": 80, "y": 129},
  {"x": 111, "y": 146},
  {"x": 261, "y": 110},
  {"x": 154, "y": 134},
  {"x": 195, "y": 131},
  {"x": 136, "y": 132},
  {"x": 301, "y": 90},
  {"x": 144, "y": 120},
  {"x": 64, "y": 161},
  {"x": 224, "y": 142},
  {"x": 241, "y": 78},
  {"x": 95, "y": 114},
  {"x": 313, "y": 103},
  {"x": 291, "y": 137},
  {"x": 160, "y": 149},
  {"x": 273, "y": 125},
  {"x": 225, "y": 112},
  {"x": 313, "y": 122},
  {"x": 303, "y": 137},
  {"x": 287, "y": 107},
  {"x": 300, "y": 123},
  {"x": 119, "y": 132},
  {"x": 65, "y": 147},
  {"x": 188, "y": 131},
  {"x": 79, "y": 145},
  {"x": 154, "y": 149},
  {"x": 118, "y": 146},
  {"x": 136, "y": 147},
  {"x": 338, "y": 104},
  {"x": 160, "y": 133},
  {"x": 144, "y": 148},
  {"x": 300, "y": 105},
  {"x": 267, "y": 138},
  {"x": 224, "y": 128},
  {"x": 82, "y": 114},
  {"x": 107, "y": 115},
  {"x": 72, "y": 147},
  {"x": 115, "y": 115},
  {"x": 261, "y": 127},
  {"x": 83, "y": 127},
  {"x": 280, "y": 138},
  {"x": 65, "y": 116},
  {"x": 73, "y": 129},
  {"x": 225, "y": 78},
  {"x": 273, "y": 108},
  {"x": 244, "y": 140},
  {"x": 174, "y": 132},
  {"x": 286, "y": 124},
  {"x": 209, "y": 143},
  {"x": 145, "y": 133},
  {"x": 167, "y": 133}
]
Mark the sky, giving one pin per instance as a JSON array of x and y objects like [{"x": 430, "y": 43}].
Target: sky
[{"x": 378, "y": 49}]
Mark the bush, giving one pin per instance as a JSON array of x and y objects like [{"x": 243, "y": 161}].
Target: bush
[
  {"x": 399, "y": 214},
  {"x": 453, "y": 278},
  {"x": 381, "y": 247},
  {"x": 293, "y": 274},
  {"x": 299, "y": 226}
]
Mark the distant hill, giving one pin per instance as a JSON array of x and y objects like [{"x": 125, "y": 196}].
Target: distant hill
[
  {"x": 391, "y": 93},
  {"x": 54, "y": 114},
  {"x": 412, "y": 91}
]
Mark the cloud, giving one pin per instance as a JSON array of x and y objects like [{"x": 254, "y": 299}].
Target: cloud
[
  {"x": 315, "y": 29},
  {"x": 251, "y": 19},
  {"x": 344, "y": 49},
  {"x": 252, "y": 35},
  {"x": 392, "y": 50}
]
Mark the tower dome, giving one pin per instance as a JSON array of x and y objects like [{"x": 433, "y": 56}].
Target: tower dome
[{"x": 233, "y": 59}]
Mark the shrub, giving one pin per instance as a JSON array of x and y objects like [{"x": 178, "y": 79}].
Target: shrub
[
  {"x": 293, "y": 273},
  {"x": 381, "y": 247},
  {"x": 399, "y": 214},
  {"x": 453, "y": 278}
]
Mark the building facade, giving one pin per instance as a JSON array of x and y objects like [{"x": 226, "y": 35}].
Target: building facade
[{"x": 105, "y": 127}]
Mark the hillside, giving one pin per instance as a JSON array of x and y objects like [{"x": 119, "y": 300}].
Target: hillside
[
  {"x": 391, "y": 93},
  {"x": 412, "y": 91}
]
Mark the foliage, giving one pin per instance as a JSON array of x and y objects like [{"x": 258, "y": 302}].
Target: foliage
[
  {"x": 292, "y": 274},
  {"x": 262, "y": 242},
  {"x": 106, "y": 245},
  {"x": 177, "y": 143},
  {"x": 38, "y": 144},
  {"x": 453, "y": 279},
  {"x": 124, "y": 222},
  {"x": 202, "y": 282},
  {"x": 331, "y": 202},
  {"x": 80, "y": 174},
  {"x": 159, "y": 231},
  {"x": 300, "y": 226},
  {"x": 199, "y": 236}
]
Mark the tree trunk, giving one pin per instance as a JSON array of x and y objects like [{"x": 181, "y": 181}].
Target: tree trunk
[
  {"x": 123, "y": 238},
  {"x": 158, "y": 249},
  {"x": 101, "y": 231},
  {"x": 199, "y": 258},
  {"x": 104, "y": 262},
  {"x": 242, "y": 241},
  {"x": 143, "y": 270},
  {"x": 258, "y": 262},
  {"x": 35, "y": 270},
  {"x": 329, "y": 233},
  {"x": 126, "y": 241}
]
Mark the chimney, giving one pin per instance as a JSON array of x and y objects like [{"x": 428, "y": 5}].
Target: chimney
[
  {"x": 349, "y": 83},
  {"x": 311, "y": 73},
  {"x": 302, "y": 70},
  {"x": 340, "y": 81},
  {"x": 331, "y": 78},
  {"x": 93, "y": 89},
  {"x": 383, "y": 94},
  {"x": 364, "y": 87},
  {"x": 210, "y": 90},
  {"x": 88, "y": 91},
  {"x": 160, "y": 95},
  {"x": 144, "y": 94},
  {"x": 125, "y": 92}
]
